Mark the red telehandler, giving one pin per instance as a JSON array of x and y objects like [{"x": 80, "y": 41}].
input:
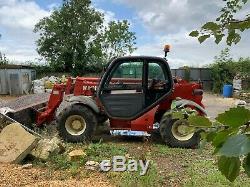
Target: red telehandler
[{"x": 134, "y": 93}]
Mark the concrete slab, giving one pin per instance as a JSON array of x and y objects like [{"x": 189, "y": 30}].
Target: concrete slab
[{"x": 15, "y": 144}]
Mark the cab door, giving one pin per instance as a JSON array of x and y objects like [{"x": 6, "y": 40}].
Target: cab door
[{"x": 126, "y": 89}]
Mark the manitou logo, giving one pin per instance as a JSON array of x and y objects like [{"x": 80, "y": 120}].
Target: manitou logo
[{"x": 121, "y": 164}]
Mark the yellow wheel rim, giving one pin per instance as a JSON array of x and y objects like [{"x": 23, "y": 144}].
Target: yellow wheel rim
[
  {"x": 75, "y": 125},
  {"x": 181, "y": 131}
]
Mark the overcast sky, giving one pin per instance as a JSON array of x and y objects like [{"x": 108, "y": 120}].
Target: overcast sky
[{"x": 156, "y": 23}]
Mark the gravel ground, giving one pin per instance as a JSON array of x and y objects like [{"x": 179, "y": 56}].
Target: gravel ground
[
  {"x": 217, "y": 104},
  {"x": 24, "y": 101},
  {"x": 13, "y": 175}
]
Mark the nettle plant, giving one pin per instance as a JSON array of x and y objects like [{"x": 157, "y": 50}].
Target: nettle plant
[{"x": 229, "y": 134}]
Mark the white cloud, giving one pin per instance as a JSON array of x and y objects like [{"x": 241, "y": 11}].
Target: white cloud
[
  {"x": 17, "y": 21},
  {"x": 169, "y": 16},
  {"x": 171, "y": 21},
  {"x": 188, "y": 51},
  {"x": 4, "y": 2},
  {"x": 21, "y": 14}
]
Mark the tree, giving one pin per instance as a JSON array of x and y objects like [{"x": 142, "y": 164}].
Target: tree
[
  {"x": 222, "y": 70},
  {"x": 225, "y": 68},
  {"x": 69, "y": 35},
  {"x": 118, "y": 40},
  {"x": 226, "y": 25},
  {"x": 3, "y": 59},
  {"x": 72, "y": 38}
]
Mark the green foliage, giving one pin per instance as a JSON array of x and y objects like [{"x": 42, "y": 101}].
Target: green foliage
[
  {"x": 199, "y": 121},
  {"x": 235, "y": 117},
  {"x": 186, "y": 73},
  {"x": 219, "y": 138},
  {"x": 226, "y": 25},
  {"x": 225, "y": 68},
  {"x": 246, "y": 164},
  {"x": 230, "y": 139},
  {"x": 3, "y": 59},
  {"x": 117, "y": 40},
  {"x": 178, "y": 115},
  {"x": 66, "y": 36},
  {"x": 235, "y": 146},
  {"x": 229, "y": 167},
  {"x": 74, "y": 39}
]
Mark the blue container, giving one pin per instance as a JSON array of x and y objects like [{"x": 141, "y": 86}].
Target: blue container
[{"x": 227, "y": 90}]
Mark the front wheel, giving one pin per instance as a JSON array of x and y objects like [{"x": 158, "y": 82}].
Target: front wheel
[
  {"x": 76, "y": 123},
  {"x": 177, "y": 133}
]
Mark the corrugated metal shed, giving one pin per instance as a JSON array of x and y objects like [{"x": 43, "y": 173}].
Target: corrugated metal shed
[{"x": 16, "y": 79}]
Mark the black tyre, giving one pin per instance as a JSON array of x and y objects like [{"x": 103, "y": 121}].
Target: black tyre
[
  {"x": 173, "y": 136},
  {"x": 76, "y": 123}
]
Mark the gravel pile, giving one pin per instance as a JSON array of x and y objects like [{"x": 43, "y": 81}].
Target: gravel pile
[{"x": 27, "y": 100}]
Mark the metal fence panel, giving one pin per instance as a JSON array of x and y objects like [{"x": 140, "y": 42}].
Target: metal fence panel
[{"x": 196, "y": 74}]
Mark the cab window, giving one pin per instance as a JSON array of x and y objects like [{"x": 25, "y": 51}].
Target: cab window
[{"x": 126, "y": 76}]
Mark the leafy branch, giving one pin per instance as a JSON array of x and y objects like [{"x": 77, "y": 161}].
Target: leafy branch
[
  {"x": 230, "y": 137},
  {"x": 226, "y": 25}
]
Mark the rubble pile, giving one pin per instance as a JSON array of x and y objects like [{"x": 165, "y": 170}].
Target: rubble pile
[
  {"x": 241, "y": 84},
  {"x": 45, "y": 84},
  {"x": 47, "y": 147},
  {"x": 16, "y": 143},
  {"x": 245, "y": 96}
]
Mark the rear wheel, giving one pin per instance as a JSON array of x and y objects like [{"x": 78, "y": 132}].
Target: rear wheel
[
  {"x": 177, "y": 133},
  {"x": 76, "y": 123}
]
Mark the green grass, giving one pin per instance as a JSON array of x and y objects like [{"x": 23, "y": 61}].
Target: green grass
[
  {"x": 205, "y": 173},
  {"x": 163, "y": 150},
  {"x": 134, "y": 179},
  {"x": 101, "y": 151},
  {"x": 168, "y": 166}
]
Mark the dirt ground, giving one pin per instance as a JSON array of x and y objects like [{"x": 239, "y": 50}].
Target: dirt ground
[
  {"x": 176, "y": 166},
  {"x": 217, "y": 104},
  {"x": 14, "y": 175}
]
